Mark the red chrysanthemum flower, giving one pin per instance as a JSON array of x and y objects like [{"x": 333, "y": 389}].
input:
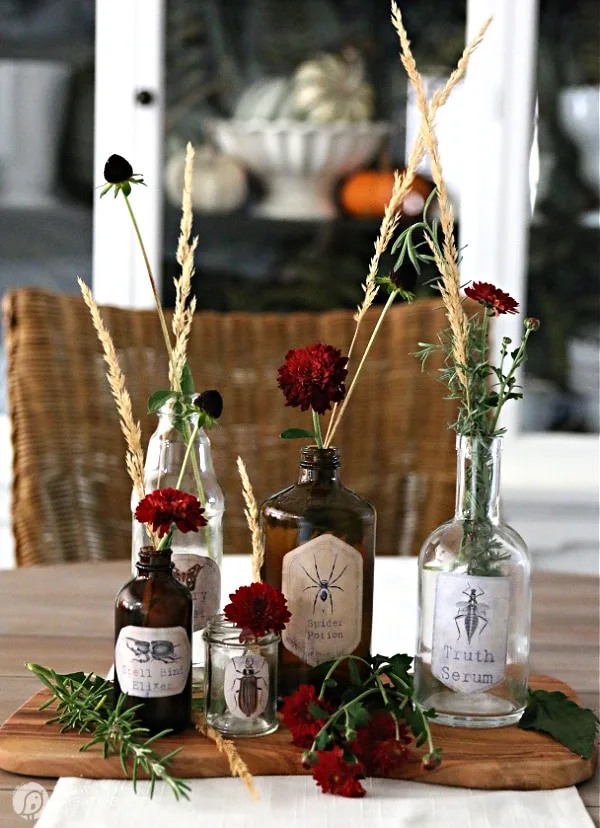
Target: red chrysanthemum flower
[
  {"x": 313, "y": 377},
  {"x": 334, "y": 775},
  {"x": 257, "y": 609},
  {"x": 492, "y": 297},
  {"x": 377, "y": 747},
  {"x": 163, "y": 507},
  {"x": 297, "y": 717}
]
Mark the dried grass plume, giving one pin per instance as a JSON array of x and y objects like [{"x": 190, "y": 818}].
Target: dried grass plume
[
  {"x": 251, "y": 512},
  {"x": 131, "y": 430},
  {"x": 183, "y": 313},
  {"x": 237, "y": 765}
]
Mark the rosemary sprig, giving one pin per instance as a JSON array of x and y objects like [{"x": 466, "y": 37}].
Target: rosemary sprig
[{"x": 85, "y": 702}]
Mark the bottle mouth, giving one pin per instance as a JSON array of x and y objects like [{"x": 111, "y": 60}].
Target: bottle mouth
[
  {"x": 323, "y": 457},
  {"x": 221, "y": 631},
  {"x": 152, "y": 558}
]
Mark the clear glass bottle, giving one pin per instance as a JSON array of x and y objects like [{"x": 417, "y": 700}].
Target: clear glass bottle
[
  {"x": 240, "y": 680},
  {"x": 197, "y": 556},
  {"x": 153, "y": 643},
  {"x": 319, "y": 551},
  {"x": 472, "y": 652}
]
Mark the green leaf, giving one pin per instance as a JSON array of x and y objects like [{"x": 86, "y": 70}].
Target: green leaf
[
  {"x": 317, "y": 712},
  {"x": 330, "y": 682},
  {"x": 187, "y": 381},
  {"x": 296, "y": 434},
  {"x": 158, "y": 399},
  {"x": 555, "y": 714},
  {"x": 358, "y": 715},
  {"x": 354, "y": 674}
]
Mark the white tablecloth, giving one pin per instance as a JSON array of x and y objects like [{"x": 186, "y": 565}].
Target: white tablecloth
[{"x": 293, "y": 802}]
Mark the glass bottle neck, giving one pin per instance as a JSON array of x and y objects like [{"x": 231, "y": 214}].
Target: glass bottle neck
[
  {"x": 154, "y": 563},
  {"x": 319, "y": 466},
  {"x": 478, "y": 478}
]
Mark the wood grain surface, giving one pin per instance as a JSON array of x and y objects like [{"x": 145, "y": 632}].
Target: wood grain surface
[
  {"x": 58, "y": 615},
  {"x": 496, "y": 759}
]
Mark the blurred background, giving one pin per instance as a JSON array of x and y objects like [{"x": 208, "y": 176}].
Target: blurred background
[{"x": 299, "y": 110}]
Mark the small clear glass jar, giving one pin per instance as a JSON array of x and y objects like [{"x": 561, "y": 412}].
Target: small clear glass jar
[{"x": 240, "y": 680}]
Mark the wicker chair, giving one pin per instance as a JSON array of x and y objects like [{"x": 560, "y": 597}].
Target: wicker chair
[{"x": 71, "y": 492}]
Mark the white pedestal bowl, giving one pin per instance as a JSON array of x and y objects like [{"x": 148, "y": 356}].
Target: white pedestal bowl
[{"x": 299, "y": 162}]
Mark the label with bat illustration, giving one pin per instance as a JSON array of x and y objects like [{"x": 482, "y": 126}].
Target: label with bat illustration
[
  {"x": 152, "y": 663},
  {"x": 246, "y": 682},
  {"x": 322, "y": 581},
  {"x": 470, "y": 631},
  {"x": 201, "y": 575}
]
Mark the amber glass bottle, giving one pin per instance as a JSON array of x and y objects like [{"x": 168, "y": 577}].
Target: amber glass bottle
[
  {"x": 153, "y": 635},
  {"x": 319, "y": 550}
]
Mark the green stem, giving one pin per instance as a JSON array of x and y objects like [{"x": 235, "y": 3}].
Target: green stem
[
  {"x": 165, "y": 542},
  {"x": 504, "y": 385},
  {"x": 333, "y": 427},
  {"x": 334, "y": 667},
  {"x": 317, "y": 429},
  {"x": 161, "y": 316},
  {"x": 419, "y": 710},
  {"x": 341, "y": 710}
]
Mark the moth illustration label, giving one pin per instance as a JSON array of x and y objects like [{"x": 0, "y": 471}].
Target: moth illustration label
[
  {"x": 202, "y": 577},
  {"x": 246, "y": 681},
  {"x": 152, "y": 663},
  {"x": 470, "y": 634},
  {"x": 323, "y": 582}
]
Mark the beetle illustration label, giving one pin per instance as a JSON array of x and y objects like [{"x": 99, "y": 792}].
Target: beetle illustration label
[
  {"x": 246, "y": 686},
  {"x": 152, "y": 663},
  {"x": 322, "y": 581},
  {"x": 470, "y": 631},
  {"x": 201, "y": 575}
]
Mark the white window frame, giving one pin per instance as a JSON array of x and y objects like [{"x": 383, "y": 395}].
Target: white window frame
[{"x": 494, "y": 224}]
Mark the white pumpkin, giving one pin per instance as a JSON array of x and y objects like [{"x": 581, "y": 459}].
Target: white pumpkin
[
  {"x": 332, "y": 88},
  {"x": 267, "y": 99},
  {"x": 219, "y": 182}
]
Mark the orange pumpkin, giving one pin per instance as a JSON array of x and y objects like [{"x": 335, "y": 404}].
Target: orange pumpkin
[{"x": 367, "y": 192}]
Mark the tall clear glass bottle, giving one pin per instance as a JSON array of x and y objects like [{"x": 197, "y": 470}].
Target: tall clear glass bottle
[
  {"x": 319, "y": 550},
  {"x": 472, "y": 649},
  {"x": 197, "y": 556},
  {"x": 153, "y": 638}
]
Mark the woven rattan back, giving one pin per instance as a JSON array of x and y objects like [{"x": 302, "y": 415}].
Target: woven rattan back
[{"x": 71, "y": 493}]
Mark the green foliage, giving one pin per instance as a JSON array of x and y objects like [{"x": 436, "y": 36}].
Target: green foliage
[
  {"x": 297, "y": 434},
  {"x": 560, "y": 717},
  {"x": 379, "y": 684},
  {"x": 158, "y": 399},
  {"x": 186, "y": 380},
  {"x": 86, "y": 703}
]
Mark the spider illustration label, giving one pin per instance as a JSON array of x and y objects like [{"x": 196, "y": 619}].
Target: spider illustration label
[
  {"x": 246, "y": 681},
  {"x": 323, "y": 583},
  {"x": 470, "y": 631},
  {"x": 202, "y": 577},
  {"x": 152, "y": 663}
]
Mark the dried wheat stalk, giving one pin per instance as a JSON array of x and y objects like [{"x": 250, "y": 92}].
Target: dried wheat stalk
[
  {"x": 450, "y": 286},
  {"x": 251, "y": 512},
  {"x": 237, "y": 765},
  {"x": 402, "y": 184},
  {"x": 181, "y": 322},
  {"x": 131, "y": 430}
]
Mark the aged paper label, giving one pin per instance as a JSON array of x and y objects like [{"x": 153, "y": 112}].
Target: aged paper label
[
  {"x": 152, "y": 663},
  {"x": 470, "y": 631},
  {"x": 202, "y": 577},
  {"x": 323, "y": 583},
  {"x": 247, "y": 686}
]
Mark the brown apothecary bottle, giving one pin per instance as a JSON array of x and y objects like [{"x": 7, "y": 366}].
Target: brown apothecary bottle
[
  {"x": 319, "y": 550},
  {"x": 153, "y": 634}
]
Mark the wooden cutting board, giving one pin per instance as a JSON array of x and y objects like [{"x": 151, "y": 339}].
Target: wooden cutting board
[{"x": 500, "y": 758}]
